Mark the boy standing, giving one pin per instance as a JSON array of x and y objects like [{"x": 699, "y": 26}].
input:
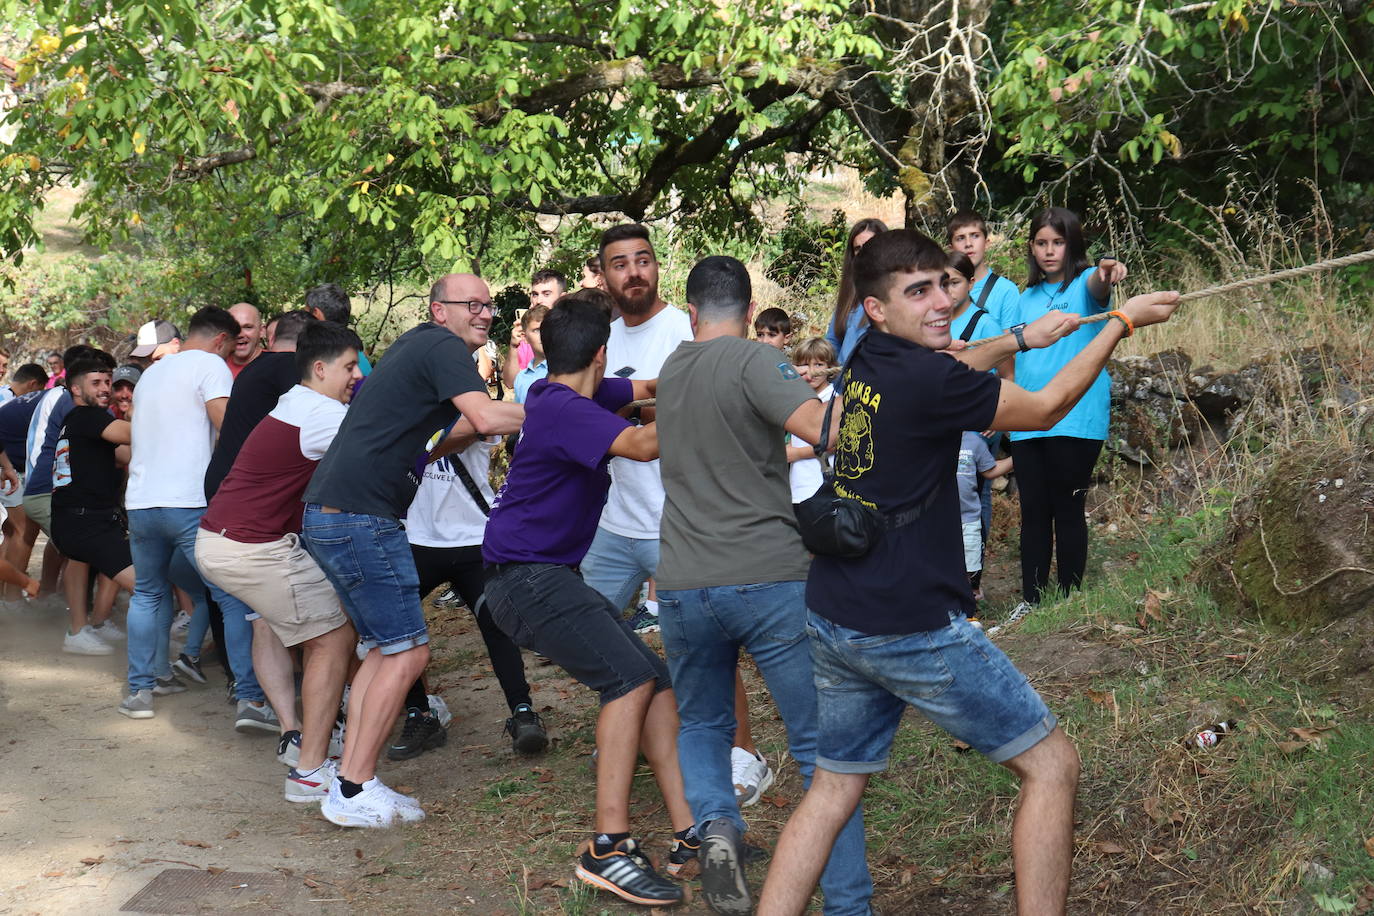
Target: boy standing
[
  {"x": 249, "y": 545},
  {"x": 967, "y": 232},
  {"x": 540, "y": 529},
  {"x": 814, "y": 358},
  {"x": 889, "y": 629},
  {"x": 773, "y": 326},
  {"x": 537, "y": 367},
  {"x": 976, "y": 464}
]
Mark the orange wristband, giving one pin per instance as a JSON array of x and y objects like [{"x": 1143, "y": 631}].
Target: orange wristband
[{"x": 1121, "y": 316}]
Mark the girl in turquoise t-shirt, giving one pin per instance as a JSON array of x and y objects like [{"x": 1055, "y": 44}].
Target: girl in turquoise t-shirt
[{"x": 1054, "y": 467}]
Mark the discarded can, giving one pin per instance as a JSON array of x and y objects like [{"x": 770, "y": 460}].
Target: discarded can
[{"x": 1209, "y": 737}]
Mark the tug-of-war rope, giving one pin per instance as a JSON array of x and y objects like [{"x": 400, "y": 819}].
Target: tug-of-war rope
[{"x": 1263, "y": 280}]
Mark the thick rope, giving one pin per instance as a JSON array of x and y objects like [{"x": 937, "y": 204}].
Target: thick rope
[{"x": 1289, "y": 274}]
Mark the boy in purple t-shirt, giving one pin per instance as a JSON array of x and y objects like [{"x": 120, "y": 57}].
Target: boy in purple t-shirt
[{"x": 541, "y": 525}]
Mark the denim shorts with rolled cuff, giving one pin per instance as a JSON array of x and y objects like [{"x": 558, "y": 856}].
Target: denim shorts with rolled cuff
[
  {"x": 367, "y": 558},
  {"x": 547, "y": 607},
  {"x": 954, "y": 676}
]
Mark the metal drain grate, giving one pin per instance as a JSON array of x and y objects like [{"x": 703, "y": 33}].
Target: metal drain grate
[{"x": 189, "y": 890}]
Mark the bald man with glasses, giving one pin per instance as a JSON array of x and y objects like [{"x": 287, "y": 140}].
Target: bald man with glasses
[{"x": 425, "y": 385}]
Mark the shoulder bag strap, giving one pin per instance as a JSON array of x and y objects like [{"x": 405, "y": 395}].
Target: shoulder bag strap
[
  {"x": 473, "y": 490},
  {"x": 829, "y": 407}
]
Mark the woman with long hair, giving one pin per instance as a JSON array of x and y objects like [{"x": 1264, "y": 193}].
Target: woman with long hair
[
  {"x": 1054, "y": 467},
  {"x": 848, "y": 324}
]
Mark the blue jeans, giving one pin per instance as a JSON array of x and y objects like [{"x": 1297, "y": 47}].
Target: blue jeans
[
  {"x": 155, "y": 536},
  {"x": 954, "y": 676},
  {"x": 367, "y": 559},
  {"x": 616, "y": 566},
  {"x": 185, "y": 577},
  {"x": 703, "y": 630}
]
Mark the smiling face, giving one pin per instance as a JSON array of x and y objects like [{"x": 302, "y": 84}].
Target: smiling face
[
  {"x": 816, "y": 372},
  {"x": 452, "y": 308},
  {"x": 1050, "y": 249},
  {"x": 92, "y": 389},
  {"x": 915, "y": 308},
  {"x": 249, "y": 340},
  {"x": 630, "y": 271},
  {"x": 335, "y": 377},
  {"x": 122, "y": 397}
]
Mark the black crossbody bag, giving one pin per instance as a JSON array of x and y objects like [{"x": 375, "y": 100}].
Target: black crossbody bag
[{"x": 837, "y": 526}]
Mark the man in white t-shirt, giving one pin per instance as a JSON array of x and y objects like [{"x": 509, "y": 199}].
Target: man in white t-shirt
[
  {"x": 625, "y": 551},
  {"x": 179, "y": 404}
]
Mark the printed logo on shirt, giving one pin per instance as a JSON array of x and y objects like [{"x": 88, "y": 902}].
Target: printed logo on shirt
[
  {"x": 788, "y": 371},
  {"x": 625, "y": 373},
  {"x": 854, "y": 446}
]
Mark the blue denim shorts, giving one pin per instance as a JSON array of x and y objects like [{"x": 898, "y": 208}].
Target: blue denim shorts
[
  {"x": 367, "y": 559},
  {"x": 547, "y": 607},
  {"x": 954, "y": 676}
]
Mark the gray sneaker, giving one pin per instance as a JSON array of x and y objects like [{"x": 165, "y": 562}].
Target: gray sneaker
[
  {"x": 722, "y": 869},
  {"x": 166, "y": 686},
  {"x": 138, "y": 705},
  {"x": 256, "y": 718}
]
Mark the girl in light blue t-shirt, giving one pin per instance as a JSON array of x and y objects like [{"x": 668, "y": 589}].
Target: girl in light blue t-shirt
[{"x": 1054, "y": 467}]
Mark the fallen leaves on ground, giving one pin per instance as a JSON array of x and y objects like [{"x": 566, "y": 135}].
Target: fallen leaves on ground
[
  {"x": 197, "y": 844},
  {"x": 1108, "y": 848},
  {"x": 92, "y": 860}
]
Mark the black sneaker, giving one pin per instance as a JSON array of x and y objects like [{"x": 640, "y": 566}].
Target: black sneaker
[
  {"x": 722, "y": 869},
  {"x": 625, "y": 872},
  {"x": 190, "y": 667},
  {"x": 229, "y": 690},
  {"x": 683, "y": 853},
  {"x": 420, "y": 733},
  {"x": 526, "y": 730}
]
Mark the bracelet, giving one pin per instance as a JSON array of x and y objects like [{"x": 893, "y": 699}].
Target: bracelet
[{"x": 1121, "y": 316}]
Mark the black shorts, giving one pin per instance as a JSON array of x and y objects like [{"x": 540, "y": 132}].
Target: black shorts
[
  {"x": 97, "y": 537},
  {"x": 548, "y": 608}
]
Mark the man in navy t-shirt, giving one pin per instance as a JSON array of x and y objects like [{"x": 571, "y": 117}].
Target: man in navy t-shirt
[
  {"x": 541, "y": 525},
  {"x": 889, "y": 629}
]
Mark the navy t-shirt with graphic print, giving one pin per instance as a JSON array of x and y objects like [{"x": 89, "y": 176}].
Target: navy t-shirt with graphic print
[{"x": 905, "y": 409}]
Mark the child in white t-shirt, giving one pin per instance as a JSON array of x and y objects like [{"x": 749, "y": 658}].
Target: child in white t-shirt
[{"x": 814, "y": 358}]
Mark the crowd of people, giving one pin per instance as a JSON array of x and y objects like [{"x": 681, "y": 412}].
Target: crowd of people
[{"x": 302, "y": 504}]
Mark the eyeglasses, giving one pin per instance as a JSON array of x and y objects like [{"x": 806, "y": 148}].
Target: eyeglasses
[{"x": 475, "y": 306}]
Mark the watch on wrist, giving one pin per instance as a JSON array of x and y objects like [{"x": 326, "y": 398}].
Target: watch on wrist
[{"x": 1019, "y": 332}]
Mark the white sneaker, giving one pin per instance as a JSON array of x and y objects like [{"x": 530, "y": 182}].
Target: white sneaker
[
  {"x": 311, "y": 786},
  {"x": 407, "y": 807},
  {"x": 440, "y": 709},
  {"x": 372, "y": 807},
  {"x": 180, "y": 624},
  {"x": 110, "y": 632},
  {"x": 85, "y": 642},
  {"x": 751, "y": 775}
]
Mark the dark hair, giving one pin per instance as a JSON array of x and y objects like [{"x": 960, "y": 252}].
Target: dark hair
[
  {"x": 963, "y": 219},
  {"x": 546, "y": 275},
  {"x": 815, "y": 350},
  {"x": 773, "y": 319},
  {"x": 597, "y": 297},
  {"x": 30, "y": 372},
  {"x": 889, "y": 253},
  {"x": 719, "y": 287},
  {"x": 957, "y": 260},
  {"x": 212, "y": 320},
  {"x": 290, "y": 325},
  {"x": 95, "y": 361},
  {"x": 532, "y": 314},
  {"x": 76, "y": 352},
  {"x": 326, "y": 340},
  {"x": 593, "y": 264},
  {"x": 621, "y": 233},
  {"x": 1064, "y": 222},
  {"x": 332, "y": 302},
  {"x": 572, "y": 332},
  {"x": 846, "y": 300}
]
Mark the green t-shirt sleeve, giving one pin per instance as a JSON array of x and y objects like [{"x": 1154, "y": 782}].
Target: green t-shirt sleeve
[{"x": 773, "y": 386}]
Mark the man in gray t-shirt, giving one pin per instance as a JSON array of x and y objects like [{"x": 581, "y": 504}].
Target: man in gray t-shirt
[{"x": 732, "y": 568}]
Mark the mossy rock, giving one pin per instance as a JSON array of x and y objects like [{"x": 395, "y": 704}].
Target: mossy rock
[{"x": 1292, "y": 551}]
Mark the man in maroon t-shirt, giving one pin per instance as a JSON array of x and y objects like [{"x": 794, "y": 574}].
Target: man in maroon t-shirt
[{"x": 249, "y": 542}]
